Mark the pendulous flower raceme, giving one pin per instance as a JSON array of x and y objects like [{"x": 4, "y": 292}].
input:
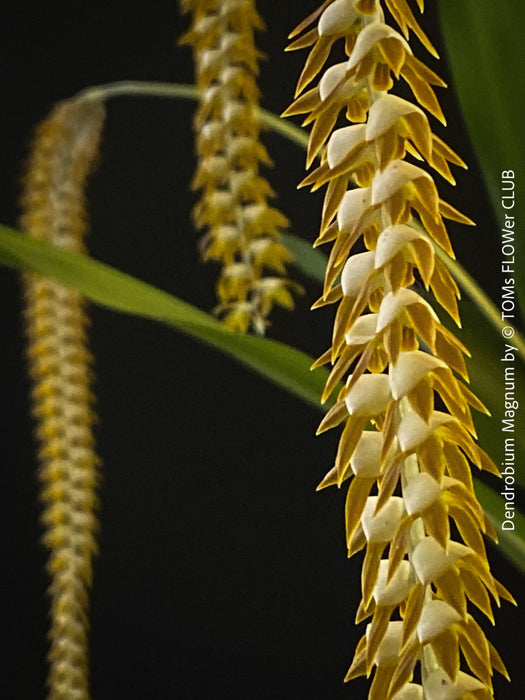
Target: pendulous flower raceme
[
  {"x": 408, "y": 438},
  {"x": 242, "y": 229},
  {"x": 63, "y": 154}
]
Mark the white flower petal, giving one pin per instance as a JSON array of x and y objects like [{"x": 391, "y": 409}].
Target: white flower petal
[
  {"x": 393, "y": 239},
  {"x": 430, "y": 561},
  {"x": 235, "y": 109},
  {"x": 439, "y": 686},
  {"x": 385, "y": 111},
  {"x": 237, "y": 271},
  {"x": 356, "y": 272},
  {"x": 211, "y": 131},
  {"x": 368, "y": 38},
  {"x": 369, "y": 396},
  {"x": 363, "y": 330},
  {"x": 352, "y": 207},
  {"x": 398, "y": 588},
  {"x": 226, "y": 233},
  {"x": 208, "y": 58},
  {"x": 229, "y": 40},
  {"x": 436, "y": 617},
  {"x": 413, "y": 430},
  {"x": 409, "y": 369},
  {"x": 411, "y": 691},
  {"x": 420, "y": 492},
  {"x": 221, "y": 199},
  {"x": 337, "y": 18},
  {"x": 390, "y": 646},
  {"x": 394, "y": 303},
  {"x": 382, "y": 526},
  {"x": 396, "y": 174},
  {"x": 252, "y": 212},
  {"x": 342, "y": 141},
  {"x": 366, "y": 460},
  {"x": 333, "y": 77},
  {"x": 204, "y": 24}
]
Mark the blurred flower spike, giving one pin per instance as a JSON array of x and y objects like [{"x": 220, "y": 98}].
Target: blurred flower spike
[{"x": 242, "y": 229}]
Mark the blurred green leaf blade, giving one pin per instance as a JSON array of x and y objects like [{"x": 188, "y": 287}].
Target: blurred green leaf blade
[
  {"x": 511, "y": 542},
  {"x": 484, "y": 41},
  {"x": 310, "y": 261},
  {"x": 282, "y": 364},
  {"x": 487, "y": 381}
]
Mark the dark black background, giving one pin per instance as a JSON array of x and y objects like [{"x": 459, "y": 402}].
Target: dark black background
[{"x": 222, "y": 574}]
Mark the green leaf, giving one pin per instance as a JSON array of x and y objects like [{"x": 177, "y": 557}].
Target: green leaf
[
  {"x": 484, "y": 41},
  {"x": 487, "y": 381},
  {"x": 511, "y": 542},
  {"x": 309, "y": 260},
  {"x": 116, "y": 290}
]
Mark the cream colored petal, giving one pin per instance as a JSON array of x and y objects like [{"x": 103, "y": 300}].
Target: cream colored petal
[
  {"x": 331, "y": 78},
  {"x": 396, "y": 174},
  {"x": 337, "y": 18},
  {"x": 363, "y": 330},
  {"x": 221, "y": 199},
  {"x": 235, "y": 109},
  {"x": 369, "y": 37},
  {"x": 392, "y": 240},
  {"x": 226, "y": 233},
  {"x": 353, "y": 205},
  {"x": 259, "y": 246},
  {"x": 209, "y": 58},
  {"x": 394, "y": 303},
  {"x": 430, "y": 561},
  {"x": 356, "y": 272},
  {"x": 342, "y": 141},
  {"x": 210, "y": 94},
  {"x": 438, "y": 686},
  {"x": 204, "y": 24},
  {"x": 382, "y": 526},
  {"x": 369, "y": 396},
  {"x": 229, "y": 40},
  {"x": 211, "y": 131},
  {"x": 366, "y": 460},
  {"x": 409, "y": 369},
  {"x": 398, "y": 588},
  {"x": 232, "y": 74},
  {"x": 420, "y": 492},
  {"x": 390, "y": 646},
  {"x": 413, "y": 430},
  {"x": 269, "y": 285},
  {"x": 238, "y": 271},
  {"x": 241, "y": 179},
  {"x": 436, "y": 617},
  {"x": 385, "y": 111},
  {"x": 252, "y": 212},
  {"x": 411, "y": 691}
]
